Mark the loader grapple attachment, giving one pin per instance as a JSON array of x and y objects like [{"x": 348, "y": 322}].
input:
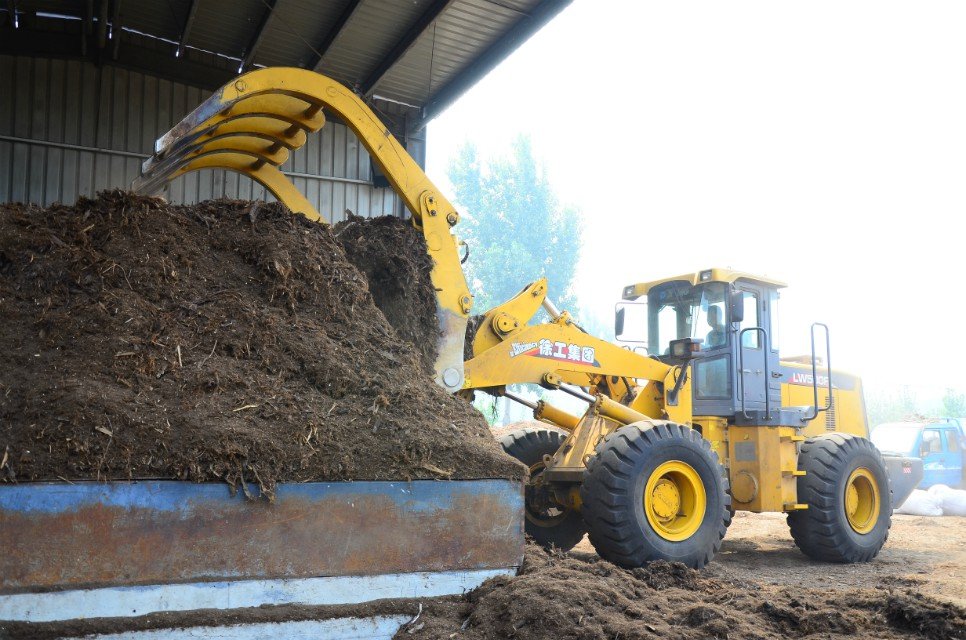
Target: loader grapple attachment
[{"x": 252, "y": 124}]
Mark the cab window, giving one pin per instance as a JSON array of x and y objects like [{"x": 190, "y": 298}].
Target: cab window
[
  {"x": 668, "y": 326},
  {"x": 711, "y": 379},
  {"x": 952, "y": 440},
  {"x": 773, "y": 334},
  {"x": 931, "y": 442},
  {"x": 751, "y": 339},
  {"x": 678, "y": 310}
]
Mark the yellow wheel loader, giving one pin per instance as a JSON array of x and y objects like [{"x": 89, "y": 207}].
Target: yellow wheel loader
[{"x": 699, "y": 420}]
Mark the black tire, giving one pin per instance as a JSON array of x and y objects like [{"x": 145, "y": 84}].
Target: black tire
[
  {"x": 613, "y": 495},
  {"x": 548, "y": 523},
  {"x": 823, "y": 531}
]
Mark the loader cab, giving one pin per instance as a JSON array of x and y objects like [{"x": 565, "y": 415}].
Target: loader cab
[{"x": 735, "y": 318}]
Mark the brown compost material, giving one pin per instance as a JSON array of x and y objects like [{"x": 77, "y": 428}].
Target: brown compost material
[
  {"x": 391, "y": 253},
  {"x": 225, "y": 341},
  {"x": 579, "y": 596}
]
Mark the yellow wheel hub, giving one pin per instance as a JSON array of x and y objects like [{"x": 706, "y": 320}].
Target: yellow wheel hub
[
  {"x": 862, "y": 502},
  {"x": 675, "y": 500}
]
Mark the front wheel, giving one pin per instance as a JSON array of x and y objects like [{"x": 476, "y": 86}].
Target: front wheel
[
  {"x": 655, "y": 491},
  {"x": 547, "y": 522},
  {"x": 846, "y": 488}
]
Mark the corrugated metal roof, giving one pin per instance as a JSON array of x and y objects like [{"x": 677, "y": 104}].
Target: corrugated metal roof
[
  {"x": 373, "y": 31},
  {"x": 463, "y": 31},
  {"x": 291, "y": 37},
  {"x": 222, "y": 27},
  {"x": 417, "y": 52}
]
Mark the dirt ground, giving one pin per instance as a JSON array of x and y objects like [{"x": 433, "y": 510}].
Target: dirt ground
[{"x": 925, "y": 554}]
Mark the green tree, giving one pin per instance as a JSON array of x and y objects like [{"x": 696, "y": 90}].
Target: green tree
[
  {"x": 892, "y": 404},
  {"x": 954, "y": 404},
  {"x": 515, "y": 226}
]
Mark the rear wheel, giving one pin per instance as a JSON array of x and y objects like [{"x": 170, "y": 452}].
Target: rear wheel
[
  {"x": 547, "y": 522},
  {"x": 846, "y": 488},
  {"x": 655, "y": 493}
]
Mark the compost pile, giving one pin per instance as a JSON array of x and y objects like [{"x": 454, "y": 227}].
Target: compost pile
[
  {"x": 580, "y": 596},
  {"x": 391, "y": 253},
  {"x": 224, "y": 341}
]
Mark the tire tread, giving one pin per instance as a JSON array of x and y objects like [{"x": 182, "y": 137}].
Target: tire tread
[
  {"x": 818, "y": 530},
  {"x": 608, "y": 486}
]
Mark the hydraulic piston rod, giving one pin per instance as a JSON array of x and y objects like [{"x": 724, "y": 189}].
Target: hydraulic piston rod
[
  {"x": 605, "y": 406},
  {"x": 546, "y": 412}
]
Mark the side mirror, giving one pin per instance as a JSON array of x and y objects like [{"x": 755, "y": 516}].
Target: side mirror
[
  {"x": 630, "y": 322},
  {"x": 737, "y": 306}
]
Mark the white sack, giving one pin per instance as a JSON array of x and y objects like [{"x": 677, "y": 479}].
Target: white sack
[
  {"x": 953, "y": 502},
  {"x": 921, "y": 503}
]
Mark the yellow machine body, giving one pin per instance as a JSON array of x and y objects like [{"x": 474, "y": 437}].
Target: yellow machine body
[{"x": 846, "y": 413}]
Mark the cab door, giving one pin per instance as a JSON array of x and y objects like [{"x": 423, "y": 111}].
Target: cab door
[
  {"x": 752, "y": 383},
  {"x": 935, "y": 458},
  {"x": 957, "y": 450},
  {"x": 952, "y": 458}
]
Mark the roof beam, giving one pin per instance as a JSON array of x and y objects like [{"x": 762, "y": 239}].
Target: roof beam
[
  {"x": 88, "y": 27},
  {"x": 399, "y": 50},
  {"x": 116, "y": 30},
  {"x": 489, "y": 59},
  {"x": 89, "y": 17},
  {"x": 12, "y": 13},
  {"x": 102, "y": 25},
  {"x": 25, "y": 41},
  {"x": 256, "y": 40},
  {"x": 333, "y": 33},
  {"x": 186, "y": 29}
]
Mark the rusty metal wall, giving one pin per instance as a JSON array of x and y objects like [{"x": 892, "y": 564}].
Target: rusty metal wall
[
  {"x": 58, "y": 535},
  {"x": 69, "y": 128}
]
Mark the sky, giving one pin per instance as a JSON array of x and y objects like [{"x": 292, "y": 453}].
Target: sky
[{"x": 819, "y": 143}]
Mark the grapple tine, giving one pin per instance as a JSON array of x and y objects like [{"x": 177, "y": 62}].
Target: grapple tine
[
  {"x": 263, "y": 147},
  {"x": 244, "y": 135},
  {"x": 282, "y": 108}
]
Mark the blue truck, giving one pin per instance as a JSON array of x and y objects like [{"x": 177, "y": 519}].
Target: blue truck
[{"x": 940, "y": 444}]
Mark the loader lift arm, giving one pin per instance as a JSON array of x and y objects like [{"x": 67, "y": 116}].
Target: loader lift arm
[{"x": 249, "y": 126}]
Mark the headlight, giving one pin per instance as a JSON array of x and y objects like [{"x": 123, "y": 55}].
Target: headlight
[{"x": 684, "y": 348}]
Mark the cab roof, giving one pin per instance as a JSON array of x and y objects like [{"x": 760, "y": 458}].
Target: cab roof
[{"x": 634, "y": 291}]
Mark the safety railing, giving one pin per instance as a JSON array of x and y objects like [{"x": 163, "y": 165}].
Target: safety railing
[{"x": 828, "y": 364}]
